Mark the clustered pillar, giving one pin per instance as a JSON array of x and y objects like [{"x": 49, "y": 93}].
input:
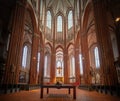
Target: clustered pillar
[
  {"x": 33, "y": 65},
  {"x": 108, "y": 70},
  {"x": 17, "y": 30}
]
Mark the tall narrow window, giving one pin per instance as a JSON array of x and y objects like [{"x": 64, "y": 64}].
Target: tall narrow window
[
  {"x": 24, "y": 57},
  {"x": 59, "y": 64},
  {"x": 81, "y": 64},
  {"x": 70, "y": 19},
  {"x": 97, "y": 62},
  {"x": 45, "y": 66},
  {"x": 38, "y": 62},
  {"x": 73, "y": 65},
  {"x": 59, "y": 24},
  {"x": 48, "y": 19},
  {"x": 59, "y": 69},
  {"x": 72, "y": 69},
  {"x": 41, "y": 11}
]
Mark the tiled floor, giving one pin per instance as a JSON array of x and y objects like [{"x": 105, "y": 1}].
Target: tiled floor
[{"x": 58, "y": 95}]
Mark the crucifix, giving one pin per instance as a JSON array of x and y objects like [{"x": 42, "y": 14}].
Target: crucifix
[{"x": 59, "y": 70}]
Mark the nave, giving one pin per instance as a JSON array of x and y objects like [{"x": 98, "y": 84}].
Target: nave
[
  {"x": 66, "y": 41},
  {"x": 58, "y": 95}
]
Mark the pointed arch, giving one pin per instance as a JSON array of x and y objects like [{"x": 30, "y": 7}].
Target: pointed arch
[
  {"x": 59, "y": 23},
  {"x": 59, "y": 62},
  {"x": 33, "y": 17},
  {"x": 49, "y": 19},
  {"x": 70, "y": 19},
  {"x": 59, "y": 31},
  {"x": 86, "y": 15},
  {"x": 59, "y": 46},
  {"x": 70, "y": 45},
  {"x": 49, "y": 44}
]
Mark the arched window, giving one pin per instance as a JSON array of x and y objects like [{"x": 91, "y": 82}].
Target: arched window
[
  {"x": 45, "y": 66},
  {"x": 48, "y": 19},
  {"x": 59, "y": 24},
  {"x": 72, "y": 65},
  {"x": 70, "y": 19},
  {"x": 59, "y": 64},
  {"x": 41, "y": 11},
  {"x": 97, "y": 62},
  {"x": 59, "y": 69},
  {"x": 38, "y": 62},
  {"x": 81, "y": 64},
  {"x": 24, "y": 57}
]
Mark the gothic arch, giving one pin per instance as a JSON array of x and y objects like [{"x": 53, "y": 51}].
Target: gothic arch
[
  {"x": 60, "y": 14},
  {"x": 51, "y": 11},
  {"x": 59, "y": 46},
  {"x": 33, "y": 17},
  {"x": 86, "y": 15},
  {"x": 70, "y": 45},
  {"x": 69, "y": 9},
  {"x": 48, "y": 48},
  {"x": 48, "y": 43}
]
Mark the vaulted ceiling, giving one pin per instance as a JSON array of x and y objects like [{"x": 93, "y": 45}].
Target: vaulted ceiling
[{"x": 60, "y": 5}]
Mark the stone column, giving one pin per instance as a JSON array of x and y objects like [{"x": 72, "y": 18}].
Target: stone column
[
  {"x": 77, "y": 65},
  {"x": 117, "y": 32},
  {"x": 53, "y": 68},
  {"x": 66, "y": 77},
  {"x": 41, "y": 72},
  {"x": 15, "y": 47},
  {"x": 65, "y": 55},
  {"x": 53, "y": 57},
  {"x": 108, "y": 72},
  {"x": 85, "y": 55},
  {"x": 33, "y": 62}
]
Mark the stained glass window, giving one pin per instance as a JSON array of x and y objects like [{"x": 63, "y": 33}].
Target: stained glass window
[
  {"x": 81, "y": 64},
  {"x": 96, "y": 53},
  {"x": 24, "y": 58},
  {"x": 48, "y": 19},
  {"x": 70, "y": 19},
  {"x": 59, "y": 24},
  {"x": 38, "y": 62}
]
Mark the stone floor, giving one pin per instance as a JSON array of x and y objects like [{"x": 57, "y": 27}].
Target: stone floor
[{"x": 58, "y": 95}]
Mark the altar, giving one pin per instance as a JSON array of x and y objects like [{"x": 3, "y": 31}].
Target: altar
[
  {"x": 60, "y": 79},
  {"x": 67, "y": 86}
]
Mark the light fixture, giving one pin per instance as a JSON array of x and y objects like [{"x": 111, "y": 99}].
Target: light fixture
[
  {"x": 34, "y": 58},
  {"x": 117, "y": 19}
]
